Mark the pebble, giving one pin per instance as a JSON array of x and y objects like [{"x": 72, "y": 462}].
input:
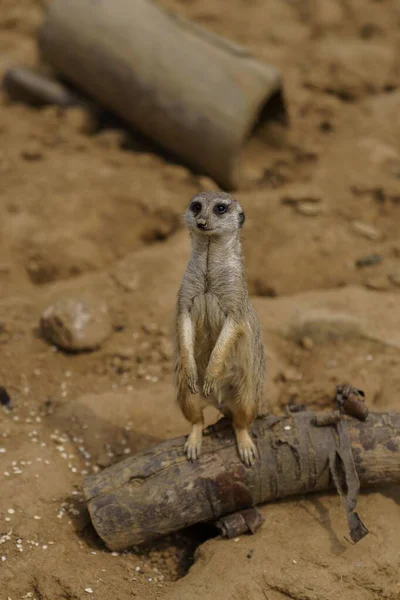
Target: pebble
[
  {"x": 322, "y": 326},
  {"x": 394, "y": 278},
  {"x": 379, "y": 283},
  {"x": 89, "y": 590},
  {"x": 308, "y": 209},
  {"x": 291, "y": 374},
  {"x": 166, "y": 349},
  {"x": 32, "y": 152},
  {"x": 81, "y": 119},
  {"x": 77, "y": 323},
  {"x": 368, "y": 261},
  {"x": 307, "y": 343},
  {"x": 366, "y": 231},
  {"x": 302, "y": 193}
]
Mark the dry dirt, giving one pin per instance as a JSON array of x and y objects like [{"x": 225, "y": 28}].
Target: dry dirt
[{"x": 101, "y": 213}]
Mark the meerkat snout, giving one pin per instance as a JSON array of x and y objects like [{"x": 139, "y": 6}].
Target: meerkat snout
[{"x": 201, "y": 223}]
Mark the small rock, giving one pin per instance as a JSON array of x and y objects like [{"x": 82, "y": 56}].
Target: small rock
[
  {"x": 76, "y": 324},
  {"x": 322, "y": 326},
  {"x": 308, "y": 209},
  {"x": 366, "y": 230},
  {"x": 291, "y": 374},
  {"x": 150, "y": 328},
  {"x": 81, "y": 119},
  {"x": 116, "y": 362},
  {"x": 394, "y": 278},
  {"x": 124, "y": 353},
  {"x": 302, "y": 193},
  {"x": 379, "y": 283},
  {"x": 379, "y": 153},
  {"x": 166, "y": 349},
  {"x": 33, "y": 151},
  {"x": 307, "y": 343},
  {"x": 251, "y": 174},
  {"x": 368, "y": 261}
]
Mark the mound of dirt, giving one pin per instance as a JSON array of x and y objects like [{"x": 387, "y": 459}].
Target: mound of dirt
[{"x": 99, "y": 212}]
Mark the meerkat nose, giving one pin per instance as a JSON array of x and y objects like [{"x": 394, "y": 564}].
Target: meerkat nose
[{"x": 201, "y": 224}]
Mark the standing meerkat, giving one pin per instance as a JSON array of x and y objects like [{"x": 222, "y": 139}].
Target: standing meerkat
[{"x": 219, "y": 350}]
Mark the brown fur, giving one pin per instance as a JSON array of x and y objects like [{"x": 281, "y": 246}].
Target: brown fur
[{"x": 219, "y": 350}]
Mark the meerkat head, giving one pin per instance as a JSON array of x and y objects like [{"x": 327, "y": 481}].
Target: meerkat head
[{"x": 214, "y": 213}]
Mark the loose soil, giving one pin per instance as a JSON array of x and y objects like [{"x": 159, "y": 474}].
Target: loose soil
[{"x": 101, "y": 213}]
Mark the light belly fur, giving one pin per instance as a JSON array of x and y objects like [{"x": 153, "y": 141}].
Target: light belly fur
[{"x": 208, "y": 320}]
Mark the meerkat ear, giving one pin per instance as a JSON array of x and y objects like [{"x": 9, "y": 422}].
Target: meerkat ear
[{"x": 242, "y": 218}]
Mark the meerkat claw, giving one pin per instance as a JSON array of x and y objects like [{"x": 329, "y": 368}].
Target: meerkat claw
[
  {"x": 192, "y": 450},
  {"x": 247, "y": 456},
  {"x": 246, "y": 448},
  {"x": 208, "y": 386},
  {"x": 193, "y": 443},
  {"x": 192, "y": 384}
]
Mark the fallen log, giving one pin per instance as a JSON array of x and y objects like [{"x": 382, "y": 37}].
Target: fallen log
[
  {"x": 25, "y": 85},
  {"x": 194, "y": 93},
  {"x": 158, "y": 491}
]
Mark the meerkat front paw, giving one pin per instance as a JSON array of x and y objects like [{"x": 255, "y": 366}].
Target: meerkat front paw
[
  {"x": 208, "y": 385},
  {"x": 193, "y": 443},
  {"x": 191, "y": 380},
  {"x": 246, "y": 447}
]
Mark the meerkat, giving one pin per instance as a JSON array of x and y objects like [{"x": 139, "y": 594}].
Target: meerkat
[{"x": 219, "y": 348}]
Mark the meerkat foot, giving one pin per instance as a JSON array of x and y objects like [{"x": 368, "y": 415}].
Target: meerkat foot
[
  {"x": 246, "y": 447},
  {"x": 193, "y": 442}
]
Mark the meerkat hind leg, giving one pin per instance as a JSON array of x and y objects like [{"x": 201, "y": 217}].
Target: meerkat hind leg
[
  {"x": 192, "y": 410},
  {"x": 246, "y": 447}
]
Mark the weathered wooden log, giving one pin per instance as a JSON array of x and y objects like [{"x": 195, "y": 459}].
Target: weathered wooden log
[
  {"x": 24, "y": 85},
  {"x": 158, "y": 491},
  {"x": 194, "y": 93}
]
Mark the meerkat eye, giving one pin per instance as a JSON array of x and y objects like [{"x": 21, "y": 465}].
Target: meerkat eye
[
  {"x": 195, "y": 207},
  {"x": 220, "y": 209}
]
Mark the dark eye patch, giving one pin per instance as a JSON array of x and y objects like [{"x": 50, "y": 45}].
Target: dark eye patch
[
  {"x": 195, "y": 207},
  {"x": 220, "y": 209}
]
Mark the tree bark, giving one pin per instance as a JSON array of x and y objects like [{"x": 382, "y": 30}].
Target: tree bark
[
  {"x": 158, "y": 491},
  {"x": 191, "y": 91}
]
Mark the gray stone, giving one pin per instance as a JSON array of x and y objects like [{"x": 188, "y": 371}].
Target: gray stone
[
  {"x": 322, "y": 326},
  {"x": 76, "y": 323}
]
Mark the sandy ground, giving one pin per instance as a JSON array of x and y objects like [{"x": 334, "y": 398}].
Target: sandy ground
[{"x": 81, "y": 213}]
